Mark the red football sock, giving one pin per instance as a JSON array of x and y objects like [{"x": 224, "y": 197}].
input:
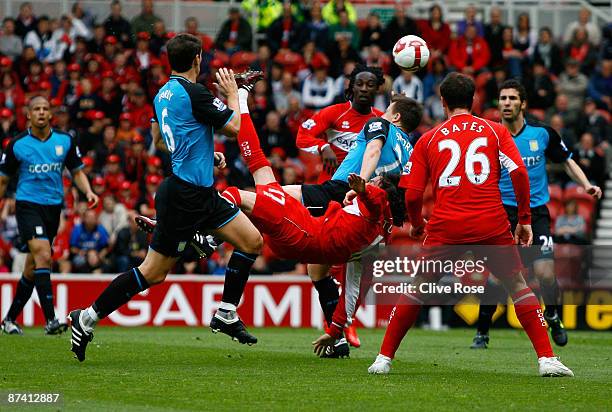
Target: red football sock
[
  {"x": 529, "y": 313},
  {"x": 403, "y": 316},
  {"x": 248, "y": 141},
  {"x": 232, "y": 195}
]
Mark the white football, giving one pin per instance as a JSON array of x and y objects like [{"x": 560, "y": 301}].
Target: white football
[{"x": 411, "y": 53}]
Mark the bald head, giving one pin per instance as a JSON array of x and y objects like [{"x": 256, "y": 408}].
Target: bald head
[{"x": 37, "y": 101}]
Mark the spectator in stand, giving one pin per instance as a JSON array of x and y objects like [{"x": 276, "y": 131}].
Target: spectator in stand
[
  {"x": 470, "y": 20},
  {"x": 373, "y": 33},
  {"x": 92, "y": 136},
  {"x": 146, "y": 19},
  {"x": 525, "y": 37},
  {"x": 569, "y": 117},
  {"x": 276, "y": 135},
  {"x": 570, "y": 227},
  {"x": 235, "y": 34},
  {"x": 375, "y": 57},
  {"x": 25, "y": 21},
  {"x": 591, "y": 121},
  {"x": 62, "y": 121},
  {"x": 263, "y": 62},
  {"x": 582, "y": 50},
  {"x": 110, "y": 145},
  {"x": 344, "y": 28},
  {"x": 267, "y": 12},
  {"x": 567, "y": 135},
  {"x": 71, "y": 90},
  {"x": 11, "y": 94},
  {"x": 159, "y": 37},
  {"x": 142, "y": 55},
  {"x": 285, "y": 32},
  {"x": 118, "y": 26},
  {"x": 343, "y": 53},
  {"x": 8, "y": 124},
  {"x": 113, "y": 173},
  {"x": 548, "y": 52},
  {"x": 146, "y": 203},
  {"x": 296, "y": 115},
  {"x": 540, "y": 87},
  {"x": 316, "y": 28},
  {"x": 127, "y": 196},
  {"x": 573, "y": 84},
  {"x": 469, "y": 54},
  {"x": 63, "y": 40},
  {"x": 141, "y": 110},
  {"x": 40, "y": 39},
  {"x": 281, "y": 97},
  {"x": 126, "y": 132},
  {"x": 110, "y": 96},
  {"x": 409, "y": 85},
  {"x": 156, "y": 78},
  {"x": 400, "y": 25},
  {"x": 88, "y": 244},
  {"x": 11, "y": 45},
  {"x": 590, "y": 159},
  {"x": 87, "y": 101},
  {"x": 493, "y": 36},
  {"x": 113, "y": 217},
  {"x": 333, "y": 10},
  {"x": 59, "y": 78},
  {"x": 130, "y": 245},
  {"x": 96, "y": 44},
  {"x": 111, "y": 49},
  {"x": 19, "y": 68},
  {"x": 78, "y": 12},
  {"x": 436, "y": 32},
  {"x": 98, "y": 185},
  {"x": 492, "y": 88},
  {"x": 584, "y": 22},
  {"x": 600, "y": 86},
  {"x": 154, "y": 166},
  {"x": 136, "y": 160},
  {"x": 512, "y": 56},
  {"x": 606, "y": 44},
  {"x": 318, "y": 89},
  {"x": 32, "y": 82},
  {"x": 433, "y": 109},
  {"x": 435, "y": 75}
]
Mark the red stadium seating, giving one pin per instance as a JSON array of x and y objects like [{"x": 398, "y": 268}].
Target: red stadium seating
[{"x": 241, "y": 61}]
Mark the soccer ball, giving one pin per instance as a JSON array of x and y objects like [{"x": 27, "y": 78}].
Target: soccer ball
[{"x": 411, "y": 53}]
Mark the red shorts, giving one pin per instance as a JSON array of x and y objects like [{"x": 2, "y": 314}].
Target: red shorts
[
  {"x": 285, "y": 220},
  {"x": 501, "y": 255}
]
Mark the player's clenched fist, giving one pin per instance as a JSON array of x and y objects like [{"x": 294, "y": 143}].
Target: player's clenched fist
[
  {"x": 523, "y": 235},
  {"x": 226, "y": 83}
]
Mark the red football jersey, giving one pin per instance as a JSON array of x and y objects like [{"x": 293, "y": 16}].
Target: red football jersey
[
  {"x": 330, "y": 239},
  {"x": 340, "y": 123},
  {"x": 463, "y": 157}
]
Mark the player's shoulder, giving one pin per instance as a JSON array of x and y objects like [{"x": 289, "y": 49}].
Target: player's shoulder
[
  {"x": 376, "y": 124},
  {"x": 17, "y": 138},
  {"x": 335, "y": 110},
  {"x": 538, "y": 127}
]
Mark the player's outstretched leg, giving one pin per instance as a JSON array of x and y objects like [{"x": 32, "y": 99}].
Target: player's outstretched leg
[{"x": 403, "y": 316}]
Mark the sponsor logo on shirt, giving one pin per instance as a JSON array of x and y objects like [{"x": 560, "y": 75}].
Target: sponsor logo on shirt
[
  {"x": 219, "y": 104},
  {"x": 45, "y": 167},
  {"x": 346, "y": 125},
  {"x": 531, "y": 161},
  {"x": 533, "y": 145},
  {"x": 374, "y": 126}
]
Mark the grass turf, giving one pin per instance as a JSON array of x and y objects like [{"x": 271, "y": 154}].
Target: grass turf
[{"x": 157, "y": 369}]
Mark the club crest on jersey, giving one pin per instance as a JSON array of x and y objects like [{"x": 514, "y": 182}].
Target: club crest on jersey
[
  {"x": 533, "y": 145},
  {"x": 407, "y": 168},
  {"x": 219, "y": 104},
  {"x": 374, "y": 126},
  {"x": 345, "y": 125},
  {"x": 59, "y": 150},
  {"x": 309, "y": 124}
]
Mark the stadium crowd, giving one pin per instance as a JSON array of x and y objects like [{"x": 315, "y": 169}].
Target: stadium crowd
[{"x": 101, "y": 76}]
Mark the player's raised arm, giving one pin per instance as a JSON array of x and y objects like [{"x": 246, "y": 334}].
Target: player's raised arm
[
  {"x": 228, "y": 88},
  {"x": 310, "y": 137},
  {"x": 415, "y": 182}
]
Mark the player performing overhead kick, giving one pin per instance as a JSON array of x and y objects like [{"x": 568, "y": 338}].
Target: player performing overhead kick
[
  {"x": 463, "y": 158},
  {"x": 293, "y": 232}
]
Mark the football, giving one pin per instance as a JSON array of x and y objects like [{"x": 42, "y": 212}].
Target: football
[{"x": 411, "y": 53}]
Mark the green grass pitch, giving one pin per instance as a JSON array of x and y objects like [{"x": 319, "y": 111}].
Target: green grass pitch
[{"x": 163, "y": 369}]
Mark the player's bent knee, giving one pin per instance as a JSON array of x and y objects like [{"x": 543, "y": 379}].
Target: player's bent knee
[
  {"x": 42, "y": 258},
  {"x": 254, "y": 245}
]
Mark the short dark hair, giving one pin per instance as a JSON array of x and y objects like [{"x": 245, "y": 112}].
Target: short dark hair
[
  {"x": 411, "y": 111},
  {"x": 395, "y": 196},
  {"x": 516, "y": 85},
  {"x": 182, "y": 49},
  {"x": 458, "y": 91}
]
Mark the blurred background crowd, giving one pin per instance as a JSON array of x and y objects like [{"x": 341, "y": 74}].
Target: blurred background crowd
[{"x": 101, "y": 76}]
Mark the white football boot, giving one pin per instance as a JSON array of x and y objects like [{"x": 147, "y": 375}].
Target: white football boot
[
  {"x": 381, "y": 366},
  {"x": 552, "y": 367}
]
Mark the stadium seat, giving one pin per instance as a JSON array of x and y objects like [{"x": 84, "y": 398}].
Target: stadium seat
[
  {"x": 556, "y": 192},
  {"x": 578, "y": 194}
]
